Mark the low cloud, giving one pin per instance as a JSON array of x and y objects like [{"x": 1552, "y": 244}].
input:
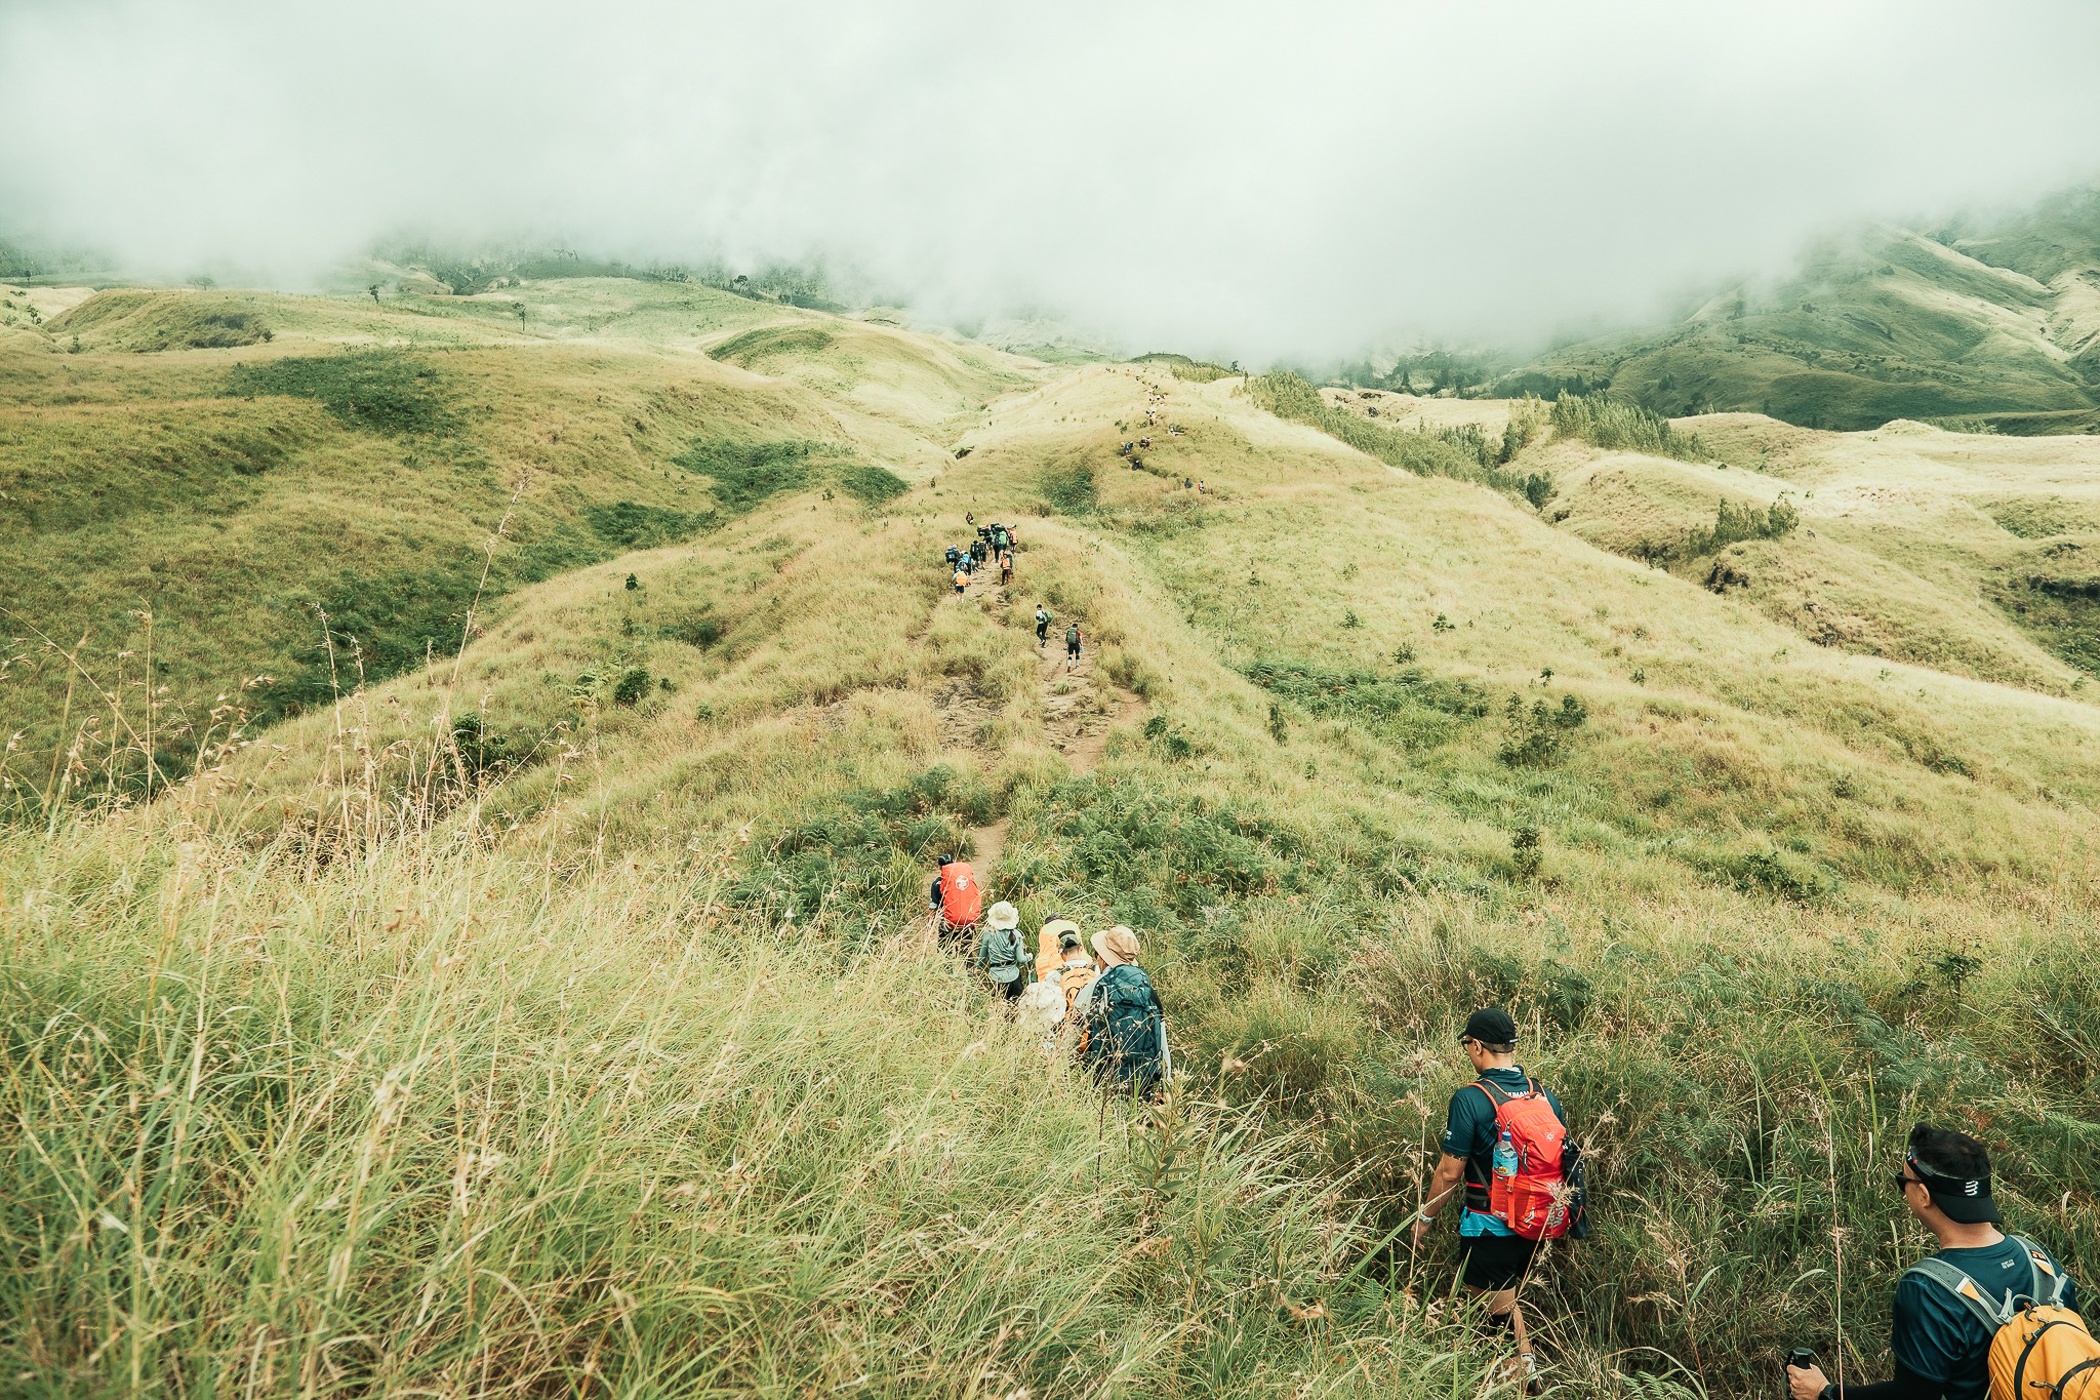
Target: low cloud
[{"x": 1252, "y": 181}]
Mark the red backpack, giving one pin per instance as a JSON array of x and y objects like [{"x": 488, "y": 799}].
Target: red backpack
[
  {"x": 1532, "y": 1200},
  {"x": 962, "y": 902}
]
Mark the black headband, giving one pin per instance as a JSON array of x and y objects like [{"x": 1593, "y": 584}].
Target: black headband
[{"x": 1940, "y": 1183}]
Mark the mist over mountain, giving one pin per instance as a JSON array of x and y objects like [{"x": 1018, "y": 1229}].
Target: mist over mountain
[{"x": 1234, "y": 182}]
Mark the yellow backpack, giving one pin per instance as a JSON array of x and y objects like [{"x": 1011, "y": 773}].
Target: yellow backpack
[{"x": 2040, "y": 1349}]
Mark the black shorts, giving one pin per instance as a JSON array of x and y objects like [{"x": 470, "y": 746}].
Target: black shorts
[{"x": 1495, "y": 1262}]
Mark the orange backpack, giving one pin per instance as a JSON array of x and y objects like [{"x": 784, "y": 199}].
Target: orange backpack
[
  {"x": 1532, "y": 1199},
  {"x": 2037, "y": 1344},
  {"x": 962, "y": 902}
]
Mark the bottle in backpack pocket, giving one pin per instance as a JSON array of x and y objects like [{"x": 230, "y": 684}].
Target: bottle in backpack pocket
[{"x": 1503, "y": 1179}]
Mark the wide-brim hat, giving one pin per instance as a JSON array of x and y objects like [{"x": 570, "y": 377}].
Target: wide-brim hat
[
  {"x": 1060, "y": 929},
  {"x": 1117, "y": 944},
  {"x": 1004, "y": 915}
]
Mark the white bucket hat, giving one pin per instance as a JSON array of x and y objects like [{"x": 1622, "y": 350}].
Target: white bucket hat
[{"x": 1004, "y": 915}]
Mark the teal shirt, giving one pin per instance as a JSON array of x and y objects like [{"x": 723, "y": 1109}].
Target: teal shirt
[
  {"x": 1935, "y": 1336},
  {"x": 1469, "y": 1132}
]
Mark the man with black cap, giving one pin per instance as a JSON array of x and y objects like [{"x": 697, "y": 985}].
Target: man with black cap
[
  {"x": 1941, "y": 1343},
  {"x": 1496, "y": 1256}
]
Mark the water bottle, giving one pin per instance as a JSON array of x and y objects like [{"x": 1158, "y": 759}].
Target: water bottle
[{"x": 1502, "y": 1192}]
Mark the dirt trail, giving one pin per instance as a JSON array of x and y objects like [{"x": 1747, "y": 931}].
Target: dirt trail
[{"x": 1079, "y": 710}]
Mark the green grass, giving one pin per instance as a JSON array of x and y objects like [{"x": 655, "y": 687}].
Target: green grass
[
  {"x": 560, "y": 1018},
  {"x": 382, "y": 391},
  {"x": 147, "y": 322},
  {"x": 329, "y": 1179},
  {"x": 744, "y": 474},
  {"x": 753, "y": 347}
]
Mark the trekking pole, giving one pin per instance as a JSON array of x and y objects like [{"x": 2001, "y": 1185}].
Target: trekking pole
[{"x": 1837, "y": 1248}]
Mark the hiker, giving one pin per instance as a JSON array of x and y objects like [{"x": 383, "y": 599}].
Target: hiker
[
  {"x": 1950, "y": 1307},
  {"x": 956, "y": 900},
  {"x": 1042, "y": 1008},
  {"x": 1123, "y": 1022},
  {"x": 1075, "y": 971},
  {"x": 1504, "y": 1136},
  {"x": 1003, "y": 953},
  {"x": 1048, "y": 953},
  {"x": 977, "y": 550},
  {"x": 962, "y": 580},
  {"x": 1006, "y": 569},
  {"x": 1071, "y": 645},
  {"x": 954, "y": 556},
  {"x": 1042, "y": 625}
]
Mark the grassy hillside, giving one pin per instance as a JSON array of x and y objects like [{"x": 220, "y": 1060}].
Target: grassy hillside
[
  {"x": 560, "y": 1018},
  {"x": 1998, "y": 322},
  {"x": 186, "y": 496}
]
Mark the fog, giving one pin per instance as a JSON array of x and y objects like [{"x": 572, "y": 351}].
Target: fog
[{"x": 1239, "y": 180}]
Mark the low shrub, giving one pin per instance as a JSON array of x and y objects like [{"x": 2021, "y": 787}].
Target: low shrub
[
  {"x": 382, "y": 391},
  {"x": 1619, "y": 424}
]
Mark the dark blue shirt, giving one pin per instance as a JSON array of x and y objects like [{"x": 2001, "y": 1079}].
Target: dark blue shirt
[{"x": 1936, "y": 1336}]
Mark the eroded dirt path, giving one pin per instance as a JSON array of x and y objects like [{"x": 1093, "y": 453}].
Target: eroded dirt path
[{"x": 1079, "y": 708}]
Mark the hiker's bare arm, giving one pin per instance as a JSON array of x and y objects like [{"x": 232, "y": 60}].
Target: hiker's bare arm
[{"x": 1449, "y": 1173}]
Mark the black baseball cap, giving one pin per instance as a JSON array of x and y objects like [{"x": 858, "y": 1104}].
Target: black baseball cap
[
  {"x": 1490, "y": 1026},
  {"x": 1965, "y": 1200}
]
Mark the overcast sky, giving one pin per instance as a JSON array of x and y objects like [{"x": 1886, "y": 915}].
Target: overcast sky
[{"x": 1248, "y": 180}]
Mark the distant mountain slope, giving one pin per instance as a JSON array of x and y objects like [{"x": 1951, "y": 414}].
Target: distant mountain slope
[{"x": 1998, "y": 322}]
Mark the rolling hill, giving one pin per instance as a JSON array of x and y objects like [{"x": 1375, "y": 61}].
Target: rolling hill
[
  {"x": 1996, "y": 321},
  {"x": 552, "y": 1004}
]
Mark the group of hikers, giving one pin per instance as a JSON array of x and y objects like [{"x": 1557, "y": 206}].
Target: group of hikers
[
  {"x": 997, "y": 543},
  {"x": 1990, "y": 1316},
  {"x": 1098, "y": 1005},
  {"x": 993, "y": 546}
]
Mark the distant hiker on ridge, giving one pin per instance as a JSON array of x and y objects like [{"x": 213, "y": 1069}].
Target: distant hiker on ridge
[
  {"x": 1071, "y": 645},
  {"x": 1505, "y": 1138},
  {"x": 1042, "y": 625}
]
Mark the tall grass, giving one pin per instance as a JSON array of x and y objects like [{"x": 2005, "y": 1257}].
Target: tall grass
[
  {"x": 436, "y": 1121},
  {"x": 1604, "y": 421}
]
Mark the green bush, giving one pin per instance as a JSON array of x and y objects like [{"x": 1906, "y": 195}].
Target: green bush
[
  {"x": 1070, "y": 488},
  {"x": 769, "y": 342},
  {"x": 383, "y": 391},
  {"x": 1735, "y": 523},
  {"x": 1463, "y": 453},
  {"x": 636, "y": 525},
  {"x": 377, "y": 626},
  {"x": 1535, "y": 736},
  {"x": 1604, "y": 421},
  {"x": 744, "y": 475},
  {"x": 871, "y": 485},
  {"x": 1407, "y": 705}
]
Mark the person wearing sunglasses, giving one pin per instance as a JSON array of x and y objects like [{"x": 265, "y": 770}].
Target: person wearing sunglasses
[{"x": 1942, "y": 1347}]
